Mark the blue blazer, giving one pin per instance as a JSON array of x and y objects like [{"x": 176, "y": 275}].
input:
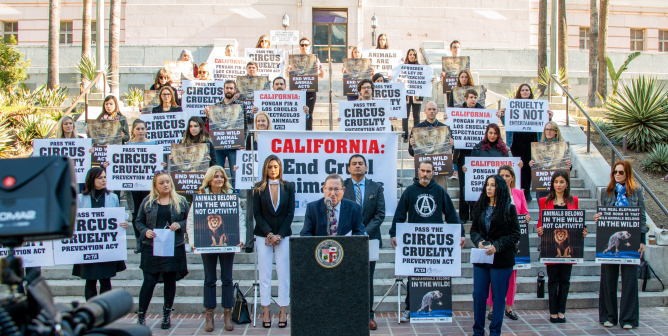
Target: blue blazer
[{"x": 316, "y": 222}]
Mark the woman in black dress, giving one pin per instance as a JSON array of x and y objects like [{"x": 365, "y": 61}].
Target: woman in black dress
[{"x": 96, "y": 195}]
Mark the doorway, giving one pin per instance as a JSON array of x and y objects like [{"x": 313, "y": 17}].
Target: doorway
[{"x": 330, "y": 34}]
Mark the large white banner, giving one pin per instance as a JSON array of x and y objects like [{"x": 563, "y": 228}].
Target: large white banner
[
  {"x": 33, "y": 254},
  {"x": 75, "y": 149},
  {"x": 244, "y": 179},
  {"x": 383, "y": 60},
  {"x": 131, "y": 167},
  {"x": 468, "y": 125},
  {"x": 271, "y": 62},
  {"x": 417, "y": 78},
  {"x": 308, "y": 157},
  {"x": 285, "y": 108},
  {"x": 428, "y": 249},
  {"x": 526, "y": 115},
  {"x": 199, "y": 94},
  {"x": 97, "y": 237},
  {"x": 165, "y": 128},
  {"x": 477, "y": 170},
  {"x": 224, "y": 67},
  {"x": 395, "y": 93},
  {"x": 365, "y": 116}
]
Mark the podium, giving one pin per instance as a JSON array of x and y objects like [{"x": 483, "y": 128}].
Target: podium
[{"x": 329, "y": 285}]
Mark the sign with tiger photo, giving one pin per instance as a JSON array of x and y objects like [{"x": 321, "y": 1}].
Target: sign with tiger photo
[{"x": 216, "y": 223}]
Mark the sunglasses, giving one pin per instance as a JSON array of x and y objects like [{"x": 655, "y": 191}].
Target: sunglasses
[
  {"x": 304, "y": 45},
  {"x": 161, "y": 171},
  {"x": 618, "y": 172},
  {"x": 162, "y": 77},
  {"x": 202, "y": 72}
]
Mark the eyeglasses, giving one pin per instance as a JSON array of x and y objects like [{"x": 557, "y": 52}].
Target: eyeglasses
[
  {"x": 368, "y": 87},
  {"x": 334, "y": 190},
  {"x": 618, "y": 172},
  {"x": 304, "y": 45},
  {"x": 162, "y": 77},
  {"x": 264, "y": 41},
  {"x": 202, "y": 71},
  {"x": 166, "y": 94},
  {"x": 161, "y": 171}
]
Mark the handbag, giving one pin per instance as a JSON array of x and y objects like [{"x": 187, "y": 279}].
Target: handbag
[
  {"x": 661, "y": 237},
  {"x": 644, "y": 274},
  {"x": 240, "y": 312}
]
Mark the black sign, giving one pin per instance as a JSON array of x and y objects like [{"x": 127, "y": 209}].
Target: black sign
[
  {"x": 187, "y": 183},
  {"x": 541, "y": 178},
  {"x": 562, "y": 240},
  {"x": 99, "y": 155},
  {"x": 431, "y": 299},
  {"x": 523, "y": 254},
  {"x": 443, "y": 165}
]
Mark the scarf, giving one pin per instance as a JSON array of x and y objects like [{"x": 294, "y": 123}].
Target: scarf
[{"x": 622, "y": 201}]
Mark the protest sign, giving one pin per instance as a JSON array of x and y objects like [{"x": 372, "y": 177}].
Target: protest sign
[
  {"x": 365, "y": 116},
  {"x": 562, "y": 241},
  {"x": 198, "y": 94},
  {"x": 549, "y": 158},
  {"x": 245, "y": 177},
  {"x": 103, "y": 133},
  {"x": 246, "y": 87},
  {"x": 271, "y": 62},
  {"x": 308, "y": 157},
  {"x": 433, "y": 143},
  {"x": 32, "y": 254},
  {"x": 428, "y": 248},
  {"x": 165, "y": 128},
  {"x": 396, "y": 94},
  {"x": 97, "y": 237},
  {"x": 179, "y": 70},
  {"x": 304, "y": 73},
  {"x": 383, "y": 60},
  {"x": 431, "y": 299},
  {"x": 187, "y": 183},
  {"x": 131, "y": 167},
  {"x": 618, "y": 235},
  {"x": 468, "y": 125},
  {"x": 285, "y": 109},
  {"x": 452, "y": 66},
  {"x": 417, "y": 78},
  {"x": 356, "y": 69},
  {"x": 151, "y": 100},
  {"x": 75, "y": 149},
  {"x": 523, "y": 254},
  {"x": 225, "y": 67},
  {"x": 284, "y": 37},
  {"x": 190, "y": 157},
  {"x": 479, "y": 168},
  {"x": 216, "y": 223},
  {"x": 526, "y": 115},
  {"x": 226, "y": 126},
  {"x": 459, "y": 94}
]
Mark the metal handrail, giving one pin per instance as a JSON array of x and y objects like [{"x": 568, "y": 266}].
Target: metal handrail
[{"x": 590, "y": 123}]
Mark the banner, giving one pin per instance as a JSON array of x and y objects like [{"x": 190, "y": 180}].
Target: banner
[
  {"x": 32, "y": 254},
  {"x": 523, "y": 254},
  {"x": 526, "y": 115},
  {"x": 477, "y": 170},
  {"x": 458, "y": 94},
  {"x": 216, "y": 223},
  {"x": 247, "y": 85},
  {"x": 284, "y": 37},
  {"x": 433, "y": 143},
  {"x": 618, "y": 235},
  {"x": 198, "y": 94},
  {"x": 131, "y": 167},
  {"x": 271, "y": 62},
  {"x": 365, "y": 116},
  {"x": 428, "y": 248},
  {"x": 97, "y": 237},
  {"x": 75, "y": 149},
  {"x": 356, "y": 69},
  {"x": 468, "y": 125},
  {"x": 417, "y": 78},
  {"x": 179, "y": 70},
  {"x": 308, "y": 157},
  {"x": 226, "y": 126},
  {"x": 431, "y": 299},
  {"x": 244, "y": 178},
  {"x": 452, "y": 66},
  {"x": 562, "y": 241},
  {"x": 396, "y": 94},
  {"x": 304, "y": 73},
  {"x": 224, "y": 67},
  {"x": 383, "y": 60},
  {"x": 285, "y": 108},
  {"x": 165, "y": 128}
]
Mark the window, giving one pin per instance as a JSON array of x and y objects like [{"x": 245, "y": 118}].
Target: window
[
  {"x": 637, "y": 39},
  {"x": 65, "y": 32},
  {"x": 93, "y": 31},
  {"x": 663, "y": 40},
  {"x": 584, "y": 38},
  {"x": 10, "y": 29}
]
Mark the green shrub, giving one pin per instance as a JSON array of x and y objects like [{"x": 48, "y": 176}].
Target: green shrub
[
  {"x": 12, "y": 67},
  {"x": 135, "y": 96},
  {"x": 657, "y": 160}
]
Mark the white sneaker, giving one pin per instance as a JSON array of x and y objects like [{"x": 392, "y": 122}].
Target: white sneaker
[
  {"x": 627, "y": 326},
  {"x": 406, "y": 317},
  {"x": 188, "y": 248},
  {"x": 608, "y": 324}
]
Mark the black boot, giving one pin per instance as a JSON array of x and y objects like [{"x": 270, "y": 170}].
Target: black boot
[
  {"x": 166, "y": 321},
  {"x": 141, "y": 318}
]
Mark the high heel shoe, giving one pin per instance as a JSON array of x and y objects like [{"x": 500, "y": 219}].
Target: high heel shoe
[{"x": 283, "y": 324}]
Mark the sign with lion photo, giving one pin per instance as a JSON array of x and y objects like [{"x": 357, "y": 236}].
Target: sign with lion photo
[
  {"x": 562, "y": 241},
  {"x": 216, "y": 223}
]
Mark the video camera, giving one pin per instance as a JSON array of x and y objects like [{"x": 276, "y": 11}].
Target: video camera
[{"x": 38, "y": 198}]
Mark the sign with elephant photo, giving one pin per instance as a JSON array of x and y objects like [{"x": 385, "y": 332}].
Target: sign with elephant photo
[
  {"x": 523, "y": 254},
  {"x": 562, "y": 241},
  {"x": 216, "y": 223},
  {"x": 618, "y": 235},
  {"x": 431, "y": 299}
]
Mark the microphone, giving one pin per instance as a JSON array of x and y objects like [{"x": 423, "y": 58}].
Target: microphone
[
  {"x": 105, "y": 308},
  {"x": 328, "y": 202}
]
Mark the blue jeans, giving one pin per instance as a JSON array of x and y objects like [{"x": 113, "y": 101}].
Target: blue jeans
[
  {"x": 231, "y": 155},
  {"x": 210, "y": 260},
  {"x": 483, "y": 276}
]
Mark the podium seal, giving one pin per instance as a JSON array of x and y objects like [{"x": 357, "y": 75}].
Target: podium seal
[{"x": 329, "y": 253}]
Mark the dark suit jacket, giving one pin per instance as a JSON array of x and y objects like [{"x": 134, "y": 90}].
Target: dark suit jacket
[
  {"x": 373, "y": 207},
  {"x": 503, "y": 234},
  {"x": 316, "y": 222},
  {"x": 266, "y": 219}
]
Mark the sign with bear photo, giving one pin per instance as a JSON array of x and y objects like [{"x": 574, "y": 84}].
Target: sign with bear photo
[
  {"x": 618, "y": 235},
  {"x": 562, "y": 240},
  {"x": 216, "y": 223}
]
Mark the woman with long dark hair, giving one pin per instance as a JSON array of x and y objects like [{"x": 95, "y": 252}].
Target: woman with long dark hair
[
  {"x": 464, "y": 79},
  {"x": 492, "y": 145},
  {"x": 495, "y": 228},
  {"x": 167, "y": 101},
  {"x": 111, "y": 111},
  {"x": 197, "y": 134},
  {"x": 413, "y": 103},
  {"x": 161, "y": 79},
  {"x": 382, "y": 42}
]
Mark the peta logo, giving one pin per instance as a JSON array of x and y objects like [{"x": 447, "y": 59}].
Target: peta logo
[
  {"x": 91, "y": 256},
  {"x": 419, "y": 270},
  {"x": 128, "y": 185},
  {"x": 410, "y": 92},
  {"x": 279, "y": 127}
]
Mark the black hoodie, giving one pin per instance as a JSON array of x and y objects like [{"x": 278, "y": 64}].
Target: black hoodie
[{"x": 439, "y": 204}]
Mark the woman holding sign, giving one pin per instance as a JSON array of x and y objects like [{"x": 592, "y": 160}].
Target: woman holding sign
[
  {"x": 138, "y": 137},
  {"x": 551, "y": 133},
  {"x": 197, "y": 134},
  {"x": 492, "y": 145},
  {"x": 382, "y": 42},
  {"x": 167, "y": 101},
  {"x": 558, "y": 275},
  {"x": 412, "y": 102},
  {"x": 96, "y": 195},
  {"x": 464, "y": 79},
  {"x": 162, "y": 209},
  {"x": 111, "y": 111},
  {"x": 622, "y": 191},
  {"x": 66, "y": 129}
]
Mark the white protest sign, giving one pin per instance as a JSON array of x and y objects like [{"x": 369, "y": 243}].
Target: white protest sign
[
  {"x": 75, "y": 149},
  {"x": 526, "y": 115},
  {"x": 431, "y": 249},
  {"x": 165, "y": 128},
  {"x": 285, "y": 108},
  {"x": 244, "y": 178},
  {"x": 308, "y": 157},
  {"x": 417, "y": 78},
  {"x": 477, "y": 170},
  {"x": 365, "y": 116},
  {"x": 198, "y": 94},
  {"x": 284, "y": 37},
  {"x": 33, "y": 254},
  {"x": 131, "y": 167},
  {"x": 396, "y": 94},
  {"x": 271, "y": 62},
  {"x": 97, "y": 237},
  {"x": 383, "y": 60},
  {"x": 225, "y": 67},
  {"x": 468, "y": 125}
]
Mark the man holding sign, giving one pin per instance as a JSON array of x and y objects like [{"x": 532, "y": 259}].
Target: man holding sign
[{"x": 277, "y": 106}]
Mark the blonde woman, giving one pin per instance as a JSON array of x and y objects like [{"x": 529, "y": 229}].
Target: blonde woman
[
  {"x": 203, "y": 72},
  {"x": 66, "y": 129},
  {"x": 167, "y": 101},
  {"x": 230, "y": 51},
  {"x": 216, "y": 182},
  {"x": 163, "y": 208},
  {"x": 263, "y": 42}
]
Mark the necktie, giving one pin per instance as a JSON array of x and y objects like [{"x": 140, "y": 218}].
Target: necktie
[
  {"x": 333, "y": 223},
  {"x": 358, "y": 193}
]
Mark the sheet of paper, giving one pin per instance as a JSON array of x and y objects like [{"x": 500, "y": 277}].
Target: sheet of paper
[
  {"x": 163, "y": 243},
  {"x": 374, "y": 250},
  {"x": 478, "y": 256}
]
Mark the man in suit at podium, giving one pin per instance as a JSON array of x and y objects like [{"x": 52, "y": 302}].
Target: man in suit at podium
[
  {"x": 369, "y": 195},
  {"x": 332, "y": 215}
]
